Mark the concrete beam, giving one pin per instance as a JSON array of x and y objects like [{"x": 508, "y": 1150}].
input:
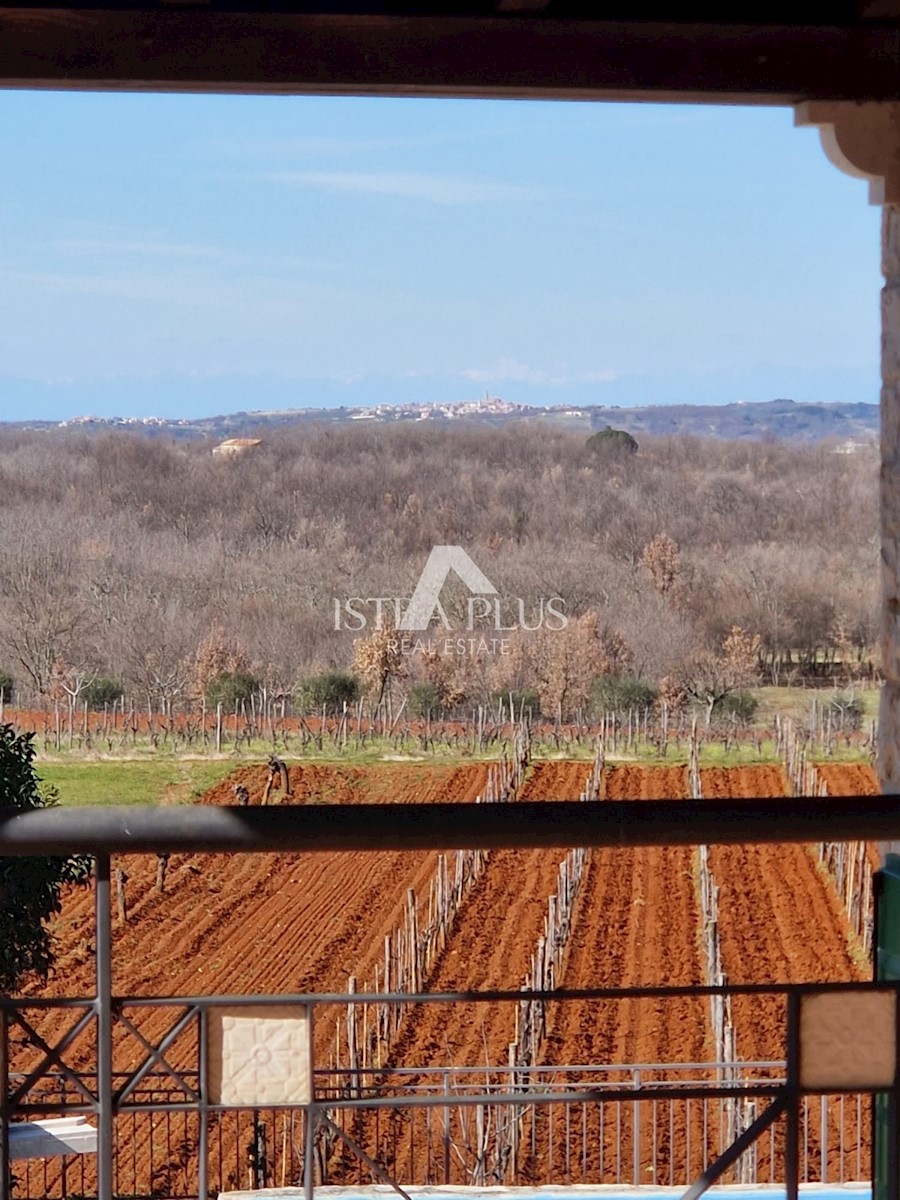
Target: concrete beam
[{"x": 521, "y": 54}]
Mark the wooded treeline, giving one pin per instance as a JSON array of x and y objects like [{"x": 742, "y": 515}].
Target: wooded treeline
[{"x": 121, "y": 553}]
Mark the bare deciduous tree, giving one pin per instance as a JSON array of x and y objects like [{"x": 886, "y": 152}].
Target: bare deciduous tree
[
  {"x": 662, "y": 559},
  {"x": 378, "y": 660}
]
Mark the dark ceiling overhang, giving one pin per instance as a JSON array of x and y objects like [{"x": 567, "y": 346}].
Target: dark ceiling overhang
[{"x": 516, "y": 48}]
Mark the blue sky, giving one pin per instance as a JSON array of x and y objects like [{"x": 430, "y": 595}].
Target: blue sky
[{"x": 187, "y": 255}]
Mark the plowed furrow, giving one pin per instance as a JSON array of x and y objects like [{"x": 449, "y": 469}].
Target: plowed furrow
[
  {"x": 781, "y": 921},
  {"x": 490, "y": 948},
  {"x": 635, "y": 925},
  {"x": 252, "y": 923}
]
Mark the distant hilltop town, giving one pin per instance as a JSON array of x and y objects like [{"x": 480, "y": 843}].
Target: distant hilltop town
[
  {"x": 853, "y": 425},
  {"x": 490, "y": 406},
  {"x": 114, "y": 422}
]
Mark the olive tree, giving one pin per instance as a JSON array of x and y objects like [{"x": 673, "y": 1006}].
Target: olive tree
[{"x": 30, "y": 888}]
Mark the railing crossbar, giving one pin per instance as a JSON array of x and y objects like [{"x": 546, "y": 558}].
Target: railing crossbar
[
  {"x": 156, "y": 1054},
  {"x": 730, "y": 1156}
]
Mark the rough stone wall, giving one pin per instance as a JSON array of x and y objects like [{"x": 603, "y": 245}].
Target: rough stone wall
[{"x": 889, "y": 722}]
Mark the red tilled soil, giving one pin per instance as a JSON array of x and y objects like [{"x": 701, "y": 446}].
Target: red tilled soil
[
  {"x": 781, "y": 921},
  {"x": 635, "y": 924},
  {"x": 491, "y": 944},
  {"x": 255, "y": 923},
  {"x": 780, "y": 917},
  {"x": 627, "y": 782},
  {"x": 853, "y": 779},
  {"x": 490, "y": 948},
  {"x": 284, "y": 923},
  {"x": 262, "y": 922},
  {"x": 849, "y": 779},
  {"x": 556, "y": 780}
]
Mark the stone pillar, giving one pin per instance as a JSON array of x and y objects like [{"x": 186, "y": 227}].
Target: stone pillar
[
  {"x": 889, "y": 716},
  {"x": 864, "y": 140}
]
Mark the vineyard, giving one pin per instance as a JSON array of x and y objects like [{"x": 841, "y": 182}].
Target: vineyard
[
  {"x": 412, "y": 921},
  {"x": 125, "y": 728}
]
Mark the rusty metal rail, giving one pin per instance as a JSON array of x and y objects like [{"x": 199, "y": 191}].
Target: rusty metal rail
[{"x": 153, "y": 829}]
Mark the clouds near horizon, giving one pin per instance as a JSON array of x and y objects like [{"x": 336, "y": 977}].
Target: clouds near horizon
[{"x": 403, "y": 244}]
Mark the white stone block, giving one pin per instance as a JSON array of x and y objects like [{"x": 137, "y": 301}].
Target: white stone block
[{"x": 259, "y": 1055}]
